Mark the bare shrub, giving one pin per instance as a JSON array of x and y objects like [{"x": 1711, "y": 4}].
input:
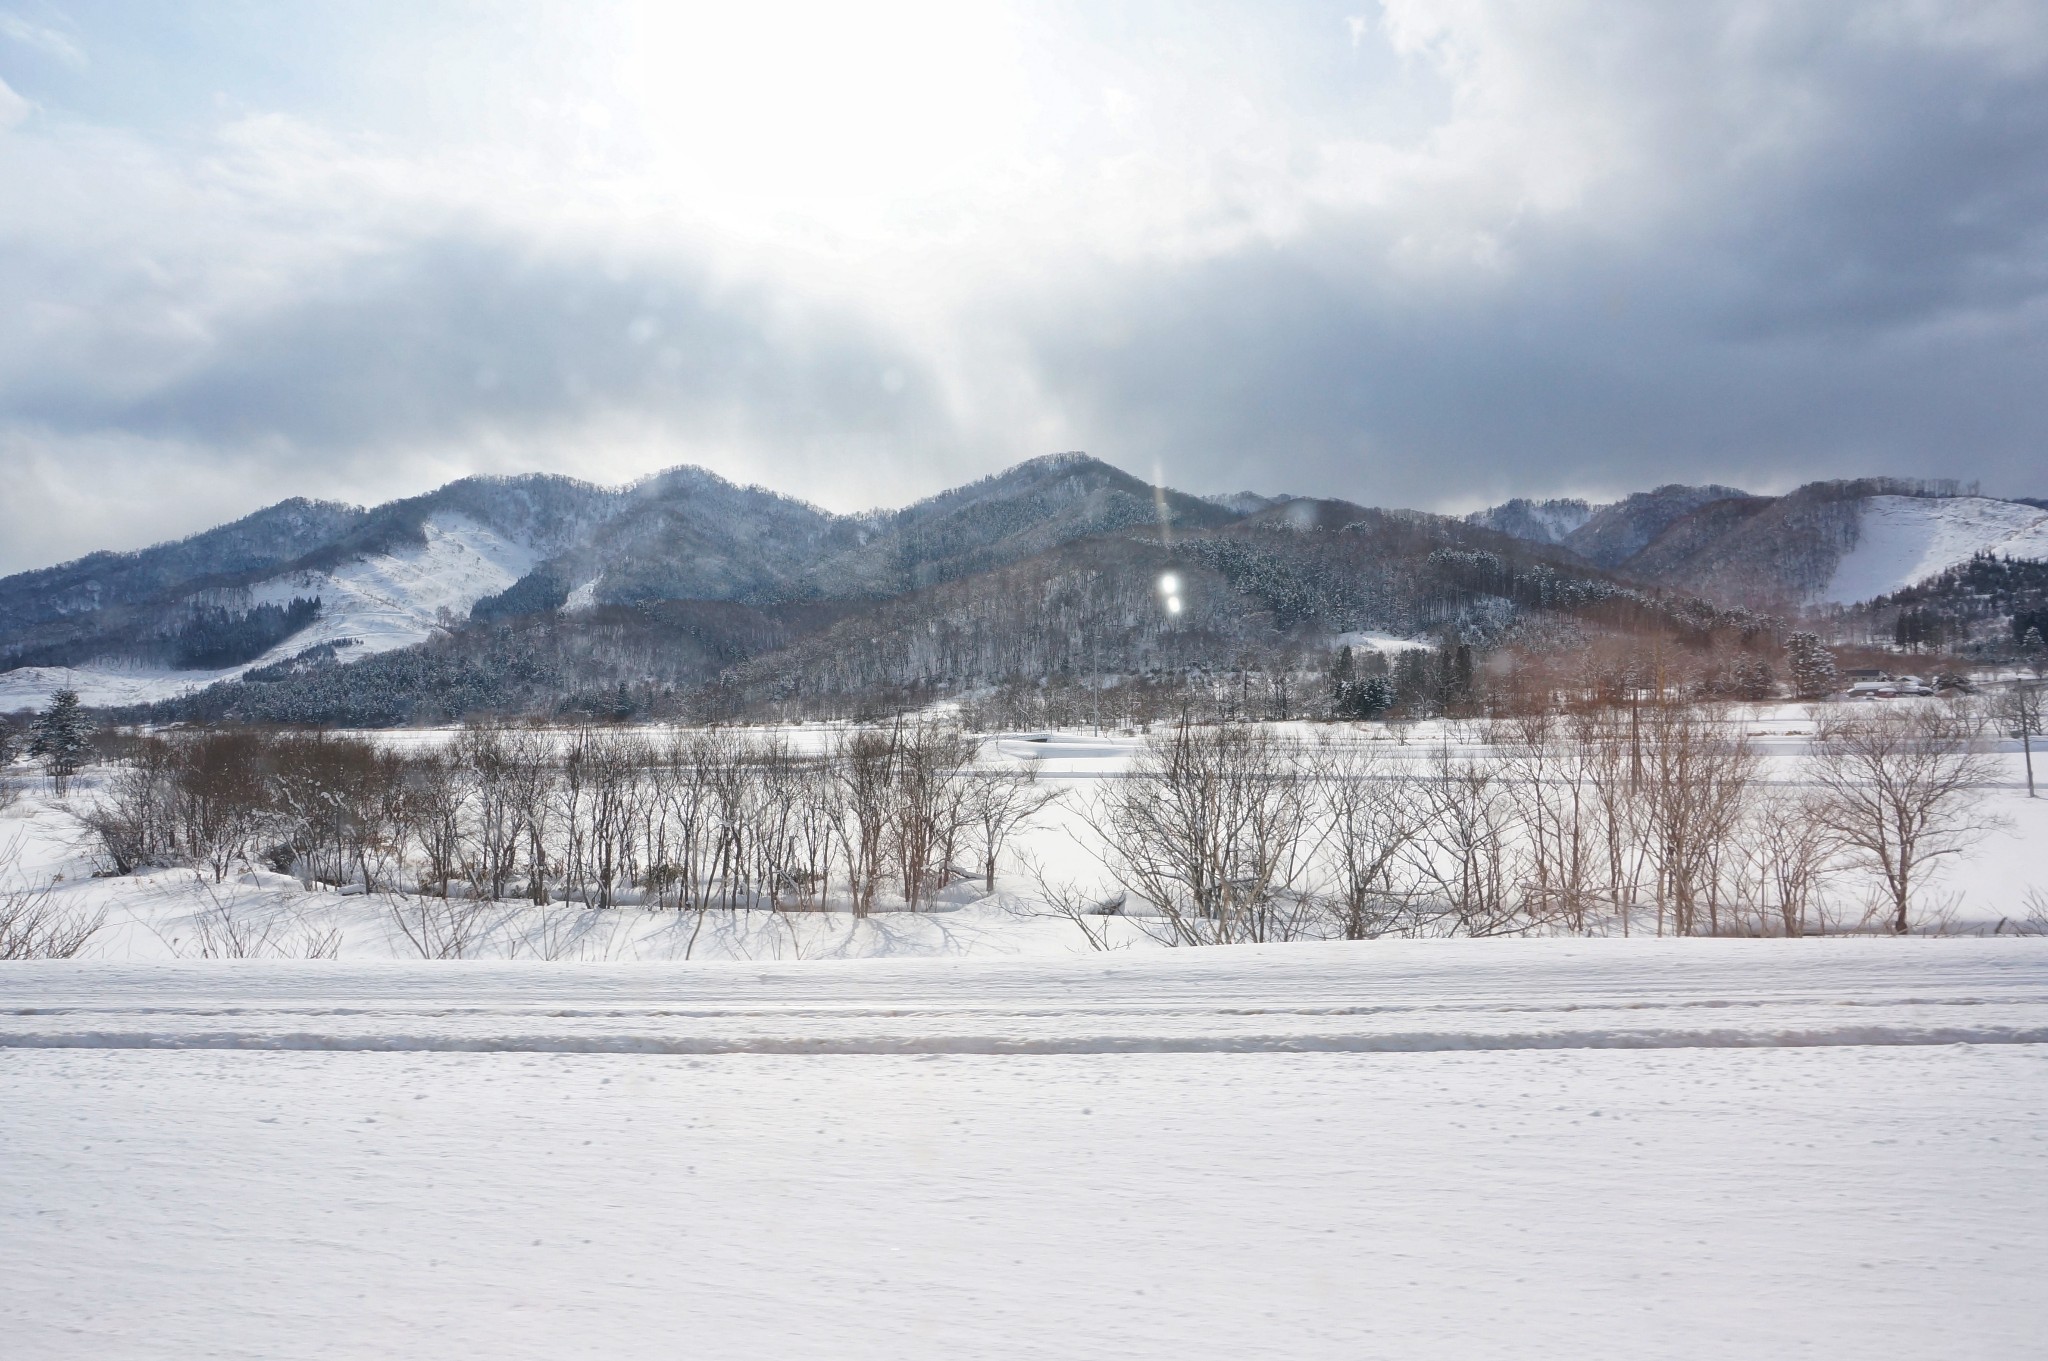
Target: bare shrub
[
  {"x": 1090, "y": 912},
  {"x": 134, "y": 819},
  {"x": 34, "y": 923},
  {"x": 439, "y": 928}
]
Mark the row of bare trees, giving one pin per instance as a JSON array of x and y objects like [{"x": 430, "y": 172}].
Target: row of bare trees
[
  {"x": 1661, "y": 820},
  {"x": 598, "y": 816},
  {"x": 1656, "y": 818}
]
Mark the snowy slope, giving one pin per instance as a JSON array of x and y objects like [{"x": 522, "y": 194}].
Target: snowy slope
[
  {"x": 395, "y": 600},
  {"x": 381, "y": 601},
  {"x": 1905, "y": 539}
]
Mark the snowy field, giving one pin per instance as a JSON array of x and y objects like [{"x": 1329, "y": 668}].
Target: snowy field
[
  {"x": 965, "y": 1133},
  {"x": 1526, "y": 1148}
]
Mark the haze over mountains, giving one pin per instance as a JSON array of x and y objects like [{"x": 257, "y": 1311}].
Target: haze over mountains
[{"x": 687, "y": 578}]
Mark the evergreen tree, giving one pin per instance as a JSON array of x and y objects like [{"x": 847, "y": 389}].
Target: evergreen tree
[
  {"x": 1812, "y": 665},
  {"x": 61, "y": 737}
]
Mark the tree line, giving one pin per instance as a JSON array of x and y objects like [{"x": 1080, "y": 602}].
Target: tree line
[
  {"x": 601, "y": 817},
  {"x": 1656, "y": 818}
]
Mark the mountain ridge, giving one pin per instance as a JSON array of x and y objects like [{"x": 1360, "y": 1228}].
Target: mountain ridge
[{"x": 750, "y": 573}]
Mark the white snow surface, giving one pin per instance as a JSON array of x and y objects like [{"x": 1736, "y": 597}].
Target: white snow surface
[
  {"x": 1462, "y": 1149},
  {"x": 380, "y": 601},
  {"x": 1374, "y": 641},
  {"x": 1906, "y": 539},
  {"x": 583, "y": 598}
]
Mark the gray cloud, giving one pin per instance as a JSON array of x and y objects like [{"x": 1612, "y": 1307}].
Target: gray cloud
[
  {"x": 1514, "y": 248},
  {"x": 437, "y": 339},
  {"x": 1862, "y": 293}
]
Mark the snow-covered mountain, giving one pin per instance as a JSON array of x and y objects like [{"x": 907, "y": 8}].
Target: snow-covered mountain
[
  {"x": 1826, "y": 543},
  {"x": 736, "y": 572},
  {"x": 372, "y": 603},
  {"x": 1551, "y": 521},
  {"x": 495, "y": 548}
]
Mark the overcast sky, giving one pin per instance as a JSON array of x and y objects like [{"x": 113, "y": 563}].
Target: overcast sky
[{"x": 1418, "y": 252}]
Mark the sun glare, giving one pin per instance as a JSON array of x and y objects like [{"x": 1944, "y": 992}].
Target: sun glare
[{"x": 822, "y": 104}]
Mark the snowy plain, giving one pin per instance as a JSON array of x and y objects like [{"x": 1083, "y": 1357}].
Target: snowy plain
[{"x": 1635, "y": 1148}]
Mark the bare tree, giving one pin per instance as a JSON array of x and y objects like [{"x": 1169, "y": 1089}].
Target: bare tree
[
  {"x": 1698, "y": 777},
  {"x": 437, "y": 798},
  {"x": 1611, "y": 750},
  {"x": 1213, "y": 829},
  {"x": 866, "y": 763},
  {"x": 612, "y": 764},
  {"x": 1368, "y": 818},
  {"x": 1792, "y": 849},
  {"x": 2020, "y": 711},
  {"x": 221, "y": 796},
  {"x": 490, "y": 755},
  {"x": 1467, "y": 852},
  {"x": 1552, "y": 780},
  {"x": 928, "y": 809},
  {"x": 1900, "y": 791},
  {"x": 998, "y": 802},
  {"x": 342, "y": 803}
]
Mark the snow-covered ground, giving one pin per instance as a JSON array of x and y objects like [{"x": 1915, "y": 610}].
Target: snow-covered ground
[
  {"x": 1651, "y": 1149},
  {"x": 1906, "y": 539},
  {"x": 964, "y": 1132},
  {"x": 381, "y": 602}
]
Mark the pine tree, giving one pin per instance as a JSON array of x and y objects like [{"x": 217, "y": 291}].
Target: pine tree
[
  {"x": 61, "y": 737},
  {"x": 1811, "y": 664}
]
